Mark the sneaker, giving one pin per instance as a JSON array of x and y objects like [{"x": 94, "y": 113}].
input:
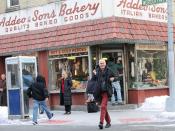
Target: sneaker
[
  {"x": 120, "y": 103},
  {"x": 35, "y": 123},
  {"x": 51, "y": 116},
  {"x": 41, "y": 112},
  {"x": 27, "y": 117},
  {"x": 100, "y": 125},
  {"x": 108, "y": 125}
]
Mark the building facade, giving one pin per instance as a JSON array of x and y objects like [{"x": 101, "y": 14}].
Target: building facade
[{"x": 73, "y": 35}]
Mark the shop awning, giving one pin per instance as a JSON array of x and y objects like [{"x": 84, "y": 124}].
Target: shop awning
[{"x": 113, "y": 29}]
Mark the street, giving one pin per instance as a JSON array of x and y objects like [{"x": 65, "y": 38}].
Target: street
[{"x": 118, "y": 127}]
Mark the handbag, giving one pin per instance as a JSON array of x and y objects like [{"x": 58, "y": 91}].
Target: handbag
[{"x": 92, "y": 107}]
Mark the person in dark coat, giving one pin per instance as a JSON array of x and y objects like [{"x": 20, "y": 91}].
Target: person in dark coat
[
  {"x": 3, "y": 91},
  {"x": 103, "y": 75},
  {"x": 40, "y": 95},
  {"x": 65, "y": 92}
]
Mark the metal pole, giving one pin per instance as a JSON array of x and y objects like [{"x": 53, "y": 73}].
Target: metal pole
[{"x": 170, "y": 102}]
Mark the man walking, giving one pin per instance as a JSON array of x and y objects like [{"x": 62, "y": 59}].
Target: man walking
[
  {"x": 116, "y": 82},
  {"x": 40, "y": 95},
  {"x": 103, "y": 92}
]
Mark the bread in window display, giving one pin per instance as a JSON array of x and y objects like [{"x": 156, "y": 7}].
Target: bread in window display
[{"x": 76, "y": 84}]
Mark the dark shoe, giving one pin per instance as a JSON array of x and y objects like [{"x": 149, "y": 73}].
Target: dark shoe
[
  {"x": 26, "y": 117},
  {"x": 42, "y": 112},
  {"x": 51, "y": 116},
  {"x": 120, "y": 103},
  {"x": 35, "y": 123},
  {"x": 100, "y": 126},
  {"x": 108, "y": 125}
]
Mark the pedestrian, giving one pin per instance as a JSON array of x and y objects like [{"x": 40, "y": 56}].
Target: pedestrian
[
  {"x": 103, "y": 92},
  {"x": 3, "y": 90},
  {"x": 65, "y": 92},
  {"x": 40, "y": 96},
  {"x": 116, "y": 82}
]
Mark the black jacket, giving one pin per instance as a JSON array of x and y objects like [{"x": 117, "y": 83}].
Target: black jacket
[
  {"x": 103, "y": 78},
  {"x": 66, "y": 97},
  {"x": 38, "y": 90}
]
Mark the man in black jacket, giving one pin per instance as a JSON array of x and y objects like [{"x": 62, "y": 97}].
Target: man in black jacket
[
  {"x": 39, "y": 94},
  {"x": 103, "y": 76}
]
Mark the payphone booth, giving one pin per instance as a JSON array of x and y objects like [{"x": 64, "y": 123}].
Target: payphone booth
[{"x": 20, "y": 73}]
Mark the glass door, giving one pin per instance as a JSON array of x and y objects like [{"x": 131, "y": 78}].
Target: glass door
[{"x": 116, "y": 57}]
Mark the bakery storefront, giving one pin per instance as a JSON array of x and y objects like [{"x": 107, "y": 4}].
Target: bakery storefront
[{"x": 74, "y": 35}]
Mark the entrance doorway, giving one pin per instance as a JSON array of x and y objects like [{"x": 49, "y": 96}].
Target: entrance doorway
[{"x": 116, "y": 56}]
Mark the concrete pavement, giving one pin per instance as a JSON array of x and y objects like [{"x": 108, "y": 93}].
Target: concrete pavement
[
  {"x": 82, "y": 118},
  {"x": 119, "y": 116}
]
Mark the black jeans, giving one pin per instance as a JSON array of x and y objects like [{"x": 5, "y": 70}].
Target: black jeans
[{"x": 67, "y": 108}]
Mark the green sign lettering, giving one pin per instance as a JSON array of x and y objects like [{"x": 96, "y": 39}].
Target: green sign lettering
[{"x": 152, "y": 2}]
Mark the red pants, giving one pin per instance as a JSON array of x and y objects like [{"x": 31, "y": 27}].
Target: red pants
[{"x": 104, "y": 113}]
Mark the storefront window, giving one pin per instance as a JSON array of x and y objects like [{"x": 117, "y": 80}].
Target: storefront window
[
  {"x": 151, "y": 69},
  {"x": 77, "y": 67}
]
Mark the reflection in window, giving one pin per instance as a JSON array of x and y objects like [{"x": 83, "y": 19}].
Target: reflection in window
[
  {"x": 77, "y": 67},
  {"x": 30, "y": 67},
  {"x": 151, "y": 68},
  {"x": 28, "y": 74},
  {"x": 12, "y": 71}
]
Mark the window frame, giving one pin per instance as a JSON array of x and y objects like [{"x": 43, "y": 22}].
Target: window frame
[{"x": 9, "y": 4}]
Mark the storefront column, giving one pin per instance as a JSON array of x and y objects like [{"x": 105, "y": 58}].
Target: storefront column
[
  {"x": 2, "y": 65},
  {"x": 43, "y": 64},
  {"x": 90, "y": 61}
]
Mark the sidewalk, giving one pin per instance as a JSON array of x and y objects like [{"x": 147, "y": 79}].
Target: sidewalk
[
  {"x": 152, "y": 111},
  {"x": 82, "y": 118},
  {"x": 120, "y": 114}
]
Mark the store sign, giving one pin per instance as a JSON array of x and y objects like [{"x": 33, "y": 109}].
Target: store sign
[
  {"x": 150, "y": 47},
  {"x": 135, "y": 10},
  {"x": 49, "y": 15},
  {"x": 74, "y": 11},
  {"x": 67, "y": 51},
  {"x": 151, "y": 2}
]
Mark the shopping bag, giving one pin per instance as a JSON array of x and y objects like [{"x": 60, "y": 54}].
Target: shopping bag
[{"x": 92, "y": 107}]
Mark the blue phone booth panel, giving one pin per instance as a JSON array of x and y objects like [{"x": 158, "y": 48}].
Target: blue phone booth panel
[{"x": 14, "y": 102}]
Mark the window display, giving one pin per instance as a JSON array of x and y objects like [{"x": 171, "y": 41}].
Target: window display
[
  {"x": 151, "y": 68},
  {"x": 72, "y": 60},
  {"x": 77, "y": 68}
]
